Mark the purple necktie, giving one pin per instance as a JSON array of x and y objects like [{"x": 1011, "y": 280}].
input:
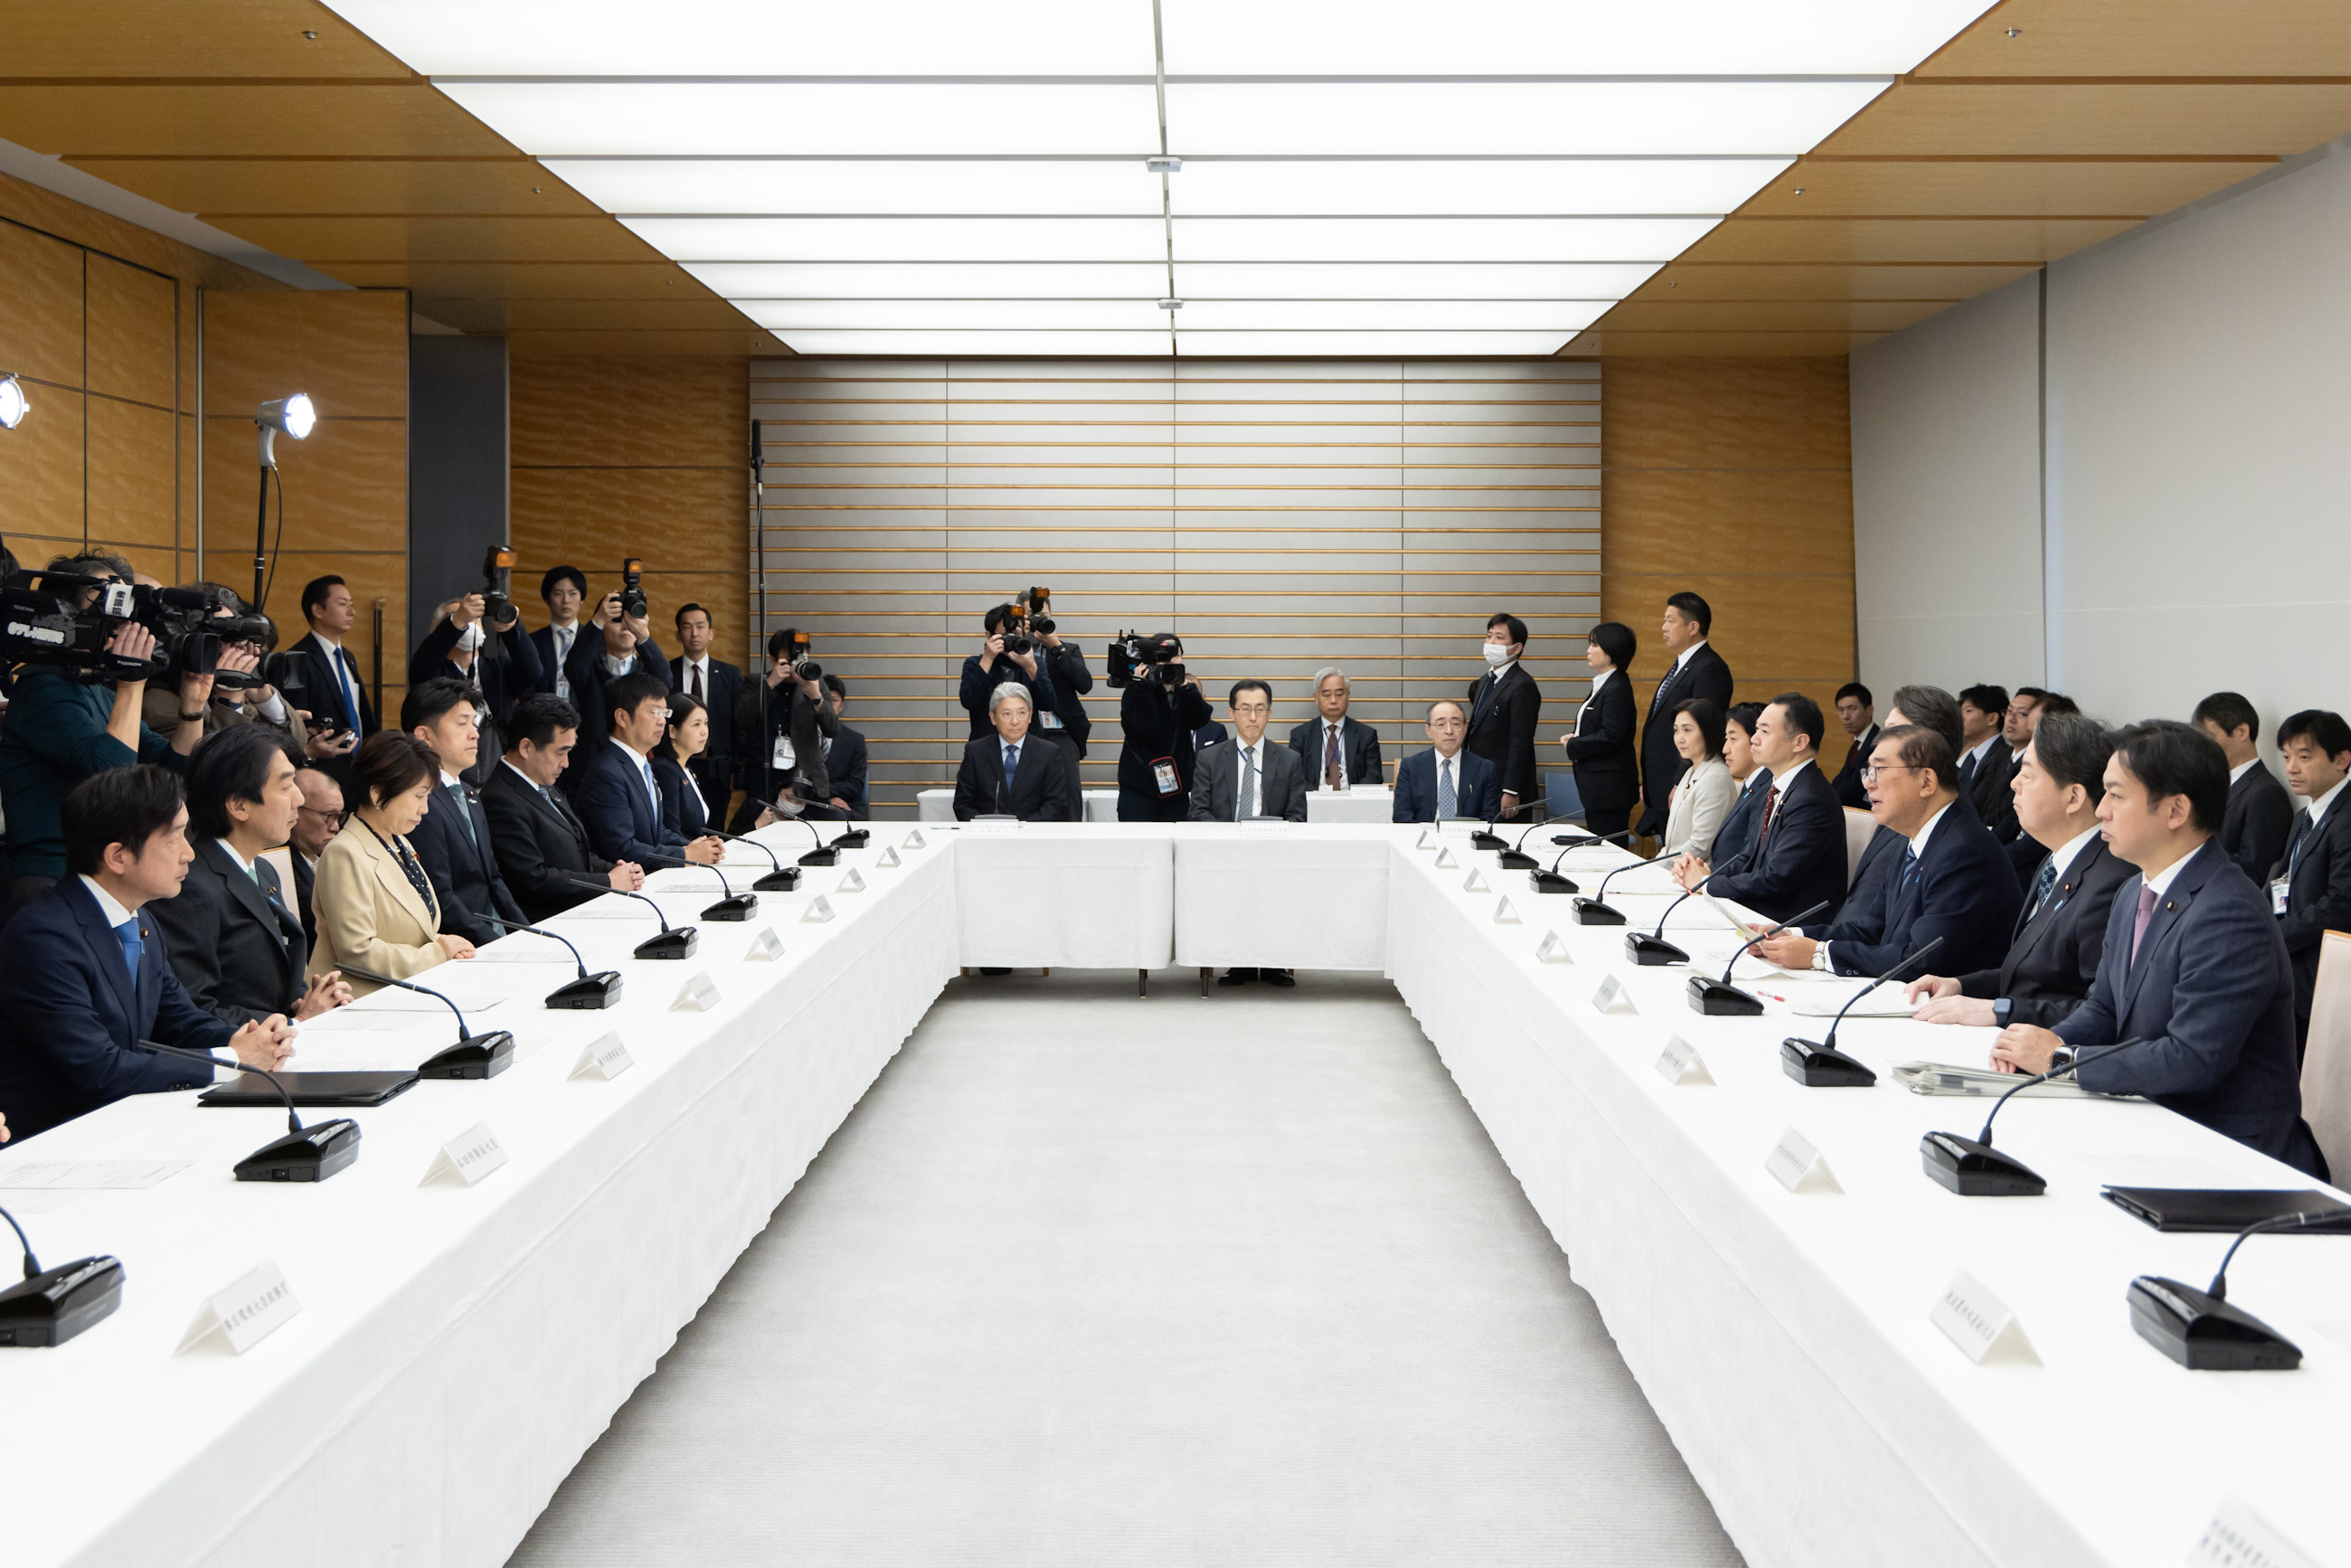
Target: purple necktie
[{"x": 2138, "y": 926}]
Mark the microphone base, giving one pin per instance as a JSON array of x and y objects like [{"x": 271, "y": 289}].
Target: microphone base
[
  {"x": 1817, "y": 1066},
  {"x": 741, "y": 906},
  {"x": 1974, "y": 1169},
  {"x": 1551, "y": 882},
  {"x": 1573, "y": 841},
  {"x": 855, "y": 839},
  {"x": 314, "y": 1154},
  {"x": 475, "y": 1056},
  {"x": 675, "y": 945},
  {"x": 778, "y": 882},
  {"x": 589, "y": 993},
  {"x": 819, "y": 857},
  {"x": 51, "y": 1308},
  {"x": 2205, "y": 1334},
  {"x": 1652, "y": 952},
  {"x": 1513, "y": 860},
  {"x": 1484, "y": 841},
  {"x": 1591, "y": 912},
  {"x": 1719, "y": 998}
]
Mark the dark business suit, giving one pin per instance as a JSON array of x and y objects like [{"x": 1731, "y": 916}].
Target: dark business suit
[
  {"x": 1503, "y": 714},
  {"x": 1984, "y": 782},
  {"x": 1960, "y": 889},
  {"x": 846, "y": 763},
  {"x": 1850, "y": 792},
  {"x": 537, "y": 838},
  {"x": 2316, "y": 865},
  {"x": 1800, "y": 861},
  {"x": 589, "y": 682},
  {"x": 2210, "y": 999},
  {"x": 1157, "y": 723},
  {"x": 1044, "y": 786},
  {"x": 1602, "y": 751},
  {"x": 1215, "y": 783},
  {"x": 505, "y": 667},
  {"x": 1879, "y": 858},
  {"x": 683, "y": 810},
  {"x": 715, "y": 767},
  {"x": 70, "y": 1011},
  {"x": 306, "y": 878},
  {"x": 305, "y": 676},
  {"x": 1702, "y": 675},
  {"x": 2259, "y": 821},
  {"x": 1738, "y": 830},
  {"x": 463, "y": 866},
  {"x": 239, "y": 952},
  {"x": 1477, "y": 788},
  {"x": 1358, "y": 751},
  {"x": 2055, "y": 953},
  {"x": 624, "y": 822},
  {"x": 1072, "y": 680}
]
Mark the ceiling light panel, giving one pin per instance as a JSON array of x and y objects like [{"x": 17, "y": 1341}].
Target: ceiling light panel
[
  {"x": 793, "y": 315},
  {"x": 1073, "y": 187},
  {"x": 1547, "y": 37},
  {"x": 1038, "y": 345},
  {"x": 905, "y": 239},
  {"x": 1457, "y": 239},
  {"x": 1499, "y": 119},
  {"x": 1559, "y": 187},
  {"x": 753, "y": 280},
  {"x": 1408, "y": 344},
  {"x": 1402, "y": 280},
  {"x": 1391, "y": 315},
  {"x": 733, "y": 119},
  {"x": 759, "y": 37}
]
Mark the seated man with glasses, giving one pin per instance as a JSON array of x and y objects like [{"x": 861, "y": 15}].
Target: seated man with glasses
[{"x": 1246, "y": 780}]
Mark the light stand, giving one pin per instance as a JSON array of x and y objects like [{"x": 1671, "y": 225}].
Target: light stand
[{"x": 294, "y": 415}]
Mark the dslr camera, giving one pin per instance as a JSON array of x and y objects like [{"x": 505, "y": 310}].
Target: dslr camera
[
  {"x": 632, "y": 591},
  {"x": 1135, "y": 660},
  {"x": 792, "y": 646},
  {"x": 1027, "y": 616},
  {"x": 497, "y": 586},
  {"x": 43, "y": 622}
]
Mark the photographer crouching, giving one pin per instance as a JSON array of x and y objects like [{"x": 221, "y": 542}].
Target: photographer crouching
[
  {"x": 785, "y": 719},
  {"x": 1161, "y": 709}
]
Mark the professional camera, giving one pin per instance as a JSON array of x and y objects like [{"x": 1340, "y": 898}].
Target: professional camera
[
  {"x": 793, "y": 647},
  {"x": 1036, "y": 607},
  {"x": 43, "y": 622},
  {"x": 632, "y": 592},
  {"x": 1154, "y": 661},
  {"x": 497, "y": 589}
]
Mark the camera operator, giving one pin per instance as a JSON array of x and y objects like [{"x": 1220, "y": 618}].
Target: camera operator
[
  {"x": 1157, "y": 714},
  {"x": 60, "y": 731},
  {"x": 259, "y": 703},
  {"x": 494, "y": 657},
  {"x": 785, "y": 719},
  {"x": 1006, "y": 654}
]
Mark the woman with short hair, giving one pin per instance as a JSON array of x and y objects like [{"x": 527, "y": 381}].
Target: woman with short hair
[{"x": 374, "y": 904}]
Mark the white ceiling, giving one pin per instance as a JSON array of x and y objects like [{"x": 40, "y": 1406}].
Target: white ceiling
[{"x": 1367, "y": 177}]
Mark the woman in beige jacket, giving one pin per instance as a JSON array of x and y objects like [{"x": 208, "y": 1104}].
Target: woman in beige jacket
[
  {"x": 1695, "y": 810},
  {"x": 373, "y": 901}
]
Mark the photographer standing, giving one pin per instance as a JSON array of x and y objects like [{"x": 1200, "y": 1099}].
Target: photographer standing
[
  {"x": 494, "y": 657},
  {"x": 61, "y": 731},
  {"x": 1064, "y": 715},
  {"x": 786, "y": 719},
  {"x": 1006, "y": 654},
  {"x": 615, "y": 644},
  {"x": 1157, "y": 714}
]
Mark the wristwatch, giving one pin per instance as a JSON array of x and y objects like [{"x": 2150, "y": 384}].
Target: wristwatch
[
  {"x": 196, "y": 717},
  {"x": 2001, "y": 1009}
]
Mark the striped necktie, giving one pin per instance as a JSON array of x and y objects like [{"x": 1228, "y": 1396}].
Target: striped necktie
[{"x": 1445, "y": 796}]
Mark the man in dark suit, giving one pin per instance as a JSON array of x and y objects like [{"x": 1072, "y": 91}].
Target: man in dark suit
[
  {"x": 2309, "y": 888},
  {"x": 234, "y": 942},
  {"x": 784, "y": 718},
  {"x": 845, "y": 758},
  {"x": 1857, "y": 711},
  {"x": 1014, "y": 771},
  {"x": 1797, "y": 857},
  {"x": 453, "y": 841},
  {"x": 2194, "y": 970},
  {"x": 1244, "y": 778},
  {"x": 1338, "y": 752},
  {"x": 315, "y": 826},
  {"x": 609, "y": 647},
  {"x": 1697, "y": 671},
  {"x": 1951, "y": 883},
  {"x": 87, "y": 975},
  {"x": 501, "y": 661},
  {"x": 1446, "y": 781},
  {"x": 1066, "y": 715},
  {"x": 1505, "y": 705},
  {"x": 1754, "y": 781},
  {"x": 564, "y": 590},
  {"x": 718, "y": 687},
  {"x": 538, "y": 836},
  {"x": 319, "y": 676},
  {"x": 2061, "y": 932},
  {"x": 2261, "y": 813},
  {"x": 618, "y": 798},
  {"x": 1984, "y": 758}
]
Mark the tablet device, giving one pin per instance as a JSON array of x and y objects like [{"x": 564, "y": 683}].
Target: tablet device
[
  {"x": 338, "y": 1089},
  {"x": 2227, "y": 1210}
]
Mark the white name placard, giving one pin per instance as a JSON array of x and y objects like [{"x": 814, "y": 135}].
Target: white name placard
[
  {"x": 1979, "y": 1322},
  {"x": 889, "y": 859},
  {"x": 1679, "y": 1063},
  {"x": 245, "y": 1313},
  {"x": 853, "y": 883},
  {"x": 698, "y": 995},
  {"x": 1427, "y": 840},
  {"x": 765, "y": 948},
  {"x": 1475, "y": 881},
  {"x": 1795, "y": 1164},
  {"x": 1445, "y": 860},
  {"x": 914, "y": 840},
  {"x": 466, "y": 1158},
  {"x": 1612, "y": 997},
  {"x": 2237, "y": 1537},
  {"x": 604, "y": 1059},
  {"x": 1503, "y": 913},
  {"x": 816, "y": 914},
  {"x": 1551, "y": 950}
]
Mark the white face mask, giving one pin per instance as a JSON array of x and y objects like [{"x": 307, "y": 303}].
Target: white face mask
[
  {"x": 1498, "y": 653},
  {"x": 470, "y": 638}
]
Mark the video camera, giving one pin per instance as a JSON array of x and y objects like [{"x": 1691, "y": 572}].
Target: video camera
[
  {"x": 1152, "y": 661},
  {"x": 498, "y": 587},
  {"x": 43, "y": 622},
  {"x": 632, "y": 592}
]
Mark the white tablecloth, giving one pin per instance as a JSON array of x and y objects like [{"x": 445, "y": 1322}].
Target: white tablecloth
[
  {"x": 1065, "y": 895},
  {"x": 938, "y": 805},
  {"x": 1364, "y": 803},
  {"x": 1282, "y": 895}
]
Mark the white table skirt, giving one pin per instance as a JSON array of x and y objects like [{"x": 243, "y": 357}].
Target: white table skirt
[
  {"x": 1364, "y": 803},
  {"x": 938, "y": 805},
  {"x": 1282, "y": 895},
  {"x": 1065, "y": 895}
]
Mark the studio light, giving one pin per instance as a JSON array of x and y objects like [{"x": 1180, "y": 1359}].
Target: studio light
[
  {"x": 294, "y": 415},
  {"x": 13, "y": 405}
]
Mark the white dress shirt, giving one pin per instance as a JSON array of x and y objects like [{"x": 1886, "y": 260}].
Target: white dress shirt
[
  {"x": 110, "y": 907},
  {"x": 2241, "y": 768},
  {"x": 1598, "y": 681},
  {"x": 2317, "y": 808},
  {"x": 684, "y": 681}
]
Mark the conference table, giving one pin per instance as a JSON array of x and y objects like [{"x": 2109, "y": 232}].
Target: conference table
[{"x": 1772, "y": 1262}]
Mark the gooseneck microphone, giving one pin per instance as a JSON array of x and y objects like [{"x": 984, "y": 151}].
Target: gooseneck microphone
[
  {"x": 679, "y": 942},
  {"x": 1970, "y": 1167},
  {"x": 474, "y": 1055},
  {"x": 1819, "y": 1064},
  {"x": 305, "y": 1153},
  {"x": 829, "y": 854},
  {"x": 732, "y": 907},
  {"x": 589, "y": 993},
  {"x": 1598, "y": 911},
  {"x": 1485, "y": 837},
  {"x": 50, "y": 1306},
  {"x": 1515, "y": 858},
  {"x": 1555, "y": 881},
  {"x": 776, "y": 881},
  {"x": 1720, "y": 999},
  {"x": 1586, "y": 841},
  {"x": 2200, "y": 1329}
]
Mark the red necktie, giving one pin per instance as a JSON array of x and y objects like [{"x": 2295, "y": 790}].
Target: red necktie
[
  {"x": 1770, "y": 809},
  {"x": 697, "y": 682}
]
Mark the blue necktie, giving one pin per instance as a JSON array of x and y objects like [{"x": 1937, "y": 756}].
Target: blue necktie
[
  {"x": 652, "y": 791},
  {"x": 1012, "y": 766},
  {"x": 128, "y": 935},
  {"x": 343, "y": 684},
  {"x": 2041, "y": 886},
  {"x": 1445, "y": 797}
]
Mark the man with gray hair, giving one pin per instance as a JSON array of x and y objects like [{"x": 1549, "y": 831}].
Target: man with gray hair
[
  {"x": 1010, "y": 773},
  {"x": 1338, "y": 753}
]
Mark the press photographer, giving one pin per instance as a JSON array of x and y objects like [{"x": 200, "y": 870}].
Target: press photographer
[
  {"x": 1161, "y": 709},
  {"x": 479, "y": 640},
  {"x": 1063, "y": 715},
  {"x": 786, "y": 719},
  {"x": 618, "y": 643},
  {"x": 1009, "y": 653}
]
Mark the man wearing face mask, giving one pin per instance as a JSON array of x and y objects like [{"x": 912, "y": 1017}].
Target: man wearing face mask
[
  {"x": 498, "y": 661},
  {"x": 1505, "y": 705}
]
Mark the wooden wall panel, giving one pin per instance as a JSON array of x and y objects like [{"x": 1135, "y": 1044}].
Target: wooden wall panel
[
  {"x": 40, "y": 308},
  {"x": 41, "y": 475},
  {"x": 132, "y": 483},
  {"x": 133, "y": 354}
]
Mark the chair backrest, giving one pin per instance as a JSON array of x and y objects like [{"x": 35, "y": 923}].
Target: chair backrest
[
  {"x": 1860, "y": 827},
  {"x": 1565, "y": 800},
  {"x": 2326, "y": 1065}
]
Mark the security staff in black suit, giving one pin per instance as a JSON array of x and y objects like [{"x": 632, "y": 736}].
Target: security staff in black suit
[
  {"x": 1856, "y": 710},
  {"x": 234, "y": 942},
  {"x": 1697, "y": 671},
  {"x": 538, "y": 836},
  {"x": 564, "y": 590},
  {"x": 1986, "y": 764},
  {"x": 2309, "y": 888},
  {"x": 2061, "y": 932},
  {"x": 1012, "y": 771},
  {"x": 1601, "y": 751},
  {"x": 1505, "y": 706},
  {"x": 846, "y": 762},
  {"x": 1338, "y": 752},
  {"x": 2261, "y": 813},
  {"x": 453, "y": 841},
  {"x": 319, "y": 676},
  {"x": 717, "y": 686},
  {"x": 1797, "y": 858}
]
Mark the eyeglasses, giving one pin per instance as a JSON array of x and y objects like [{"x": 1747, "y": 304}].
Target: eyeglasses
[
  {"x": 1252, "y": 709},
  {"x": 1869, "y": 773}
]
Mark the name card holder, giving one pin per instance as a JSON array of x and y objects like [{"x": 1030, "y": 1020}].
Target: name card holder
[
  {"x": 765, "y": 948},
  {"x": 1680, "y": 1064},
  {"x": 466, "y": 1158},
  {"x": 853, "y": 883},
  {"x": 889, "y": 859},
  {"x": 1980, "y": 1323},
  {"x": 1795, "y": 1164},
  {"x": 245, "y": 1313},
  {"x": 1476, "y": 883},
  {"x": 698, "y": 995},
  {"x": 1613, "y": 998},
  {"x": 604, "y": 1058},
  {"x": 915, "y": 840},
  {"x": 1445, "y": 861},
  {"x": 1427, "y": 840},
  {"x": 816, "y": 914},
  {"x": 1503, "y": 913},
  {"x": 2237, "y": 1537},
  {"x": 1551, "y": 950}
]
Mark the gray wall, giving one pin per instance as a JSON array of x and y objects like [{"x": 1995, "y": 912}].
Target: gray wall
[{"x": 457, "y": 470}]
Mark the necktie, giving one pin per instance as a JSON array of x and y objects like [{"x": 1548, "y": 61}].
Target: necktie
[
  {"x": 128, "y": 935},
  {"x": 1770, "y": 809},
  {"x": 1245, "y": 807},
  {"x": 562, "y": 640},
  {"x": 1012, "y": 766},
  {"x": 1334, "y": 771},
  {"x": 696, "y": 683},
  {"x": 2139, "y": 926},
  {"x": 1908, "y": 881},
  {"x": 457, "y": 797},
  {"x": 2041, "y": 886},
  {"x": 416, "y": 878},
  {"x": 1445, "y": 797},
  {"x": 652, "y": 787},
  {"x": 349, "y": 689},
  {"x": 2303, "y": 831}
]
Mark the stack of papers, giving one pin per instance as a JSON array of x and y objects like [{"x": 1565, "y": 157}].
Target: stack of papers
[{"x": 1945, "y": 1078}]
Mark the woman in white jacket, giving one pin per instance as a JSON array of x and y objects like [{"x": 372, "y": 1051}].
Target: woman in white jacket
[{"x": 1695, "y": 812}]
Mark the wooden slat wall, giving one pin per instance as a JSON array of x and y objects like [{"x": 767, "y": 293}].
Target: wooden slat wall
[
  {"x": 1280, "y": 515},
  {"x": 1733, "y": 477}
]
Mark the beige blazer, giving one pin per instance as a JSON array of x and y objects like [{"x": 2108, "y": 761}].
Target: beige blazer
[
  {"x": 1699, "y": 802},
  {"x": 368, "y": 912}
]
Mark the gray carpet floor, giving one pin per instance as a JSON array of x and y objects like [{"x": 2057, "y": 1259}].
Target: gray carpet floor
[{"x": 1092, "y": 1280}]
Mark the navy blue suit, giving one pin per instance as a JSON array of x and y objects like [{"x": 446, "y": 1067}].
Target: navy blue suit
[
  {"x": 1738, "y": 830},
  {"x": 2316, "y": 868},
  {"x": 464, "y": 867},
  {"x": 682, "y": 809},
  {"x": 846, "y": 765},
  {"x": 585, "y": 671},
  {"x": 1477, "y": 789},
  {"x": 69, "y": 1012},
  {"x": 1962, "y": 890},
  {"x": 1802, "y": 861},
  {"x": 622, "y": 822},
  {"x": 2211, "y": 1000}
]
